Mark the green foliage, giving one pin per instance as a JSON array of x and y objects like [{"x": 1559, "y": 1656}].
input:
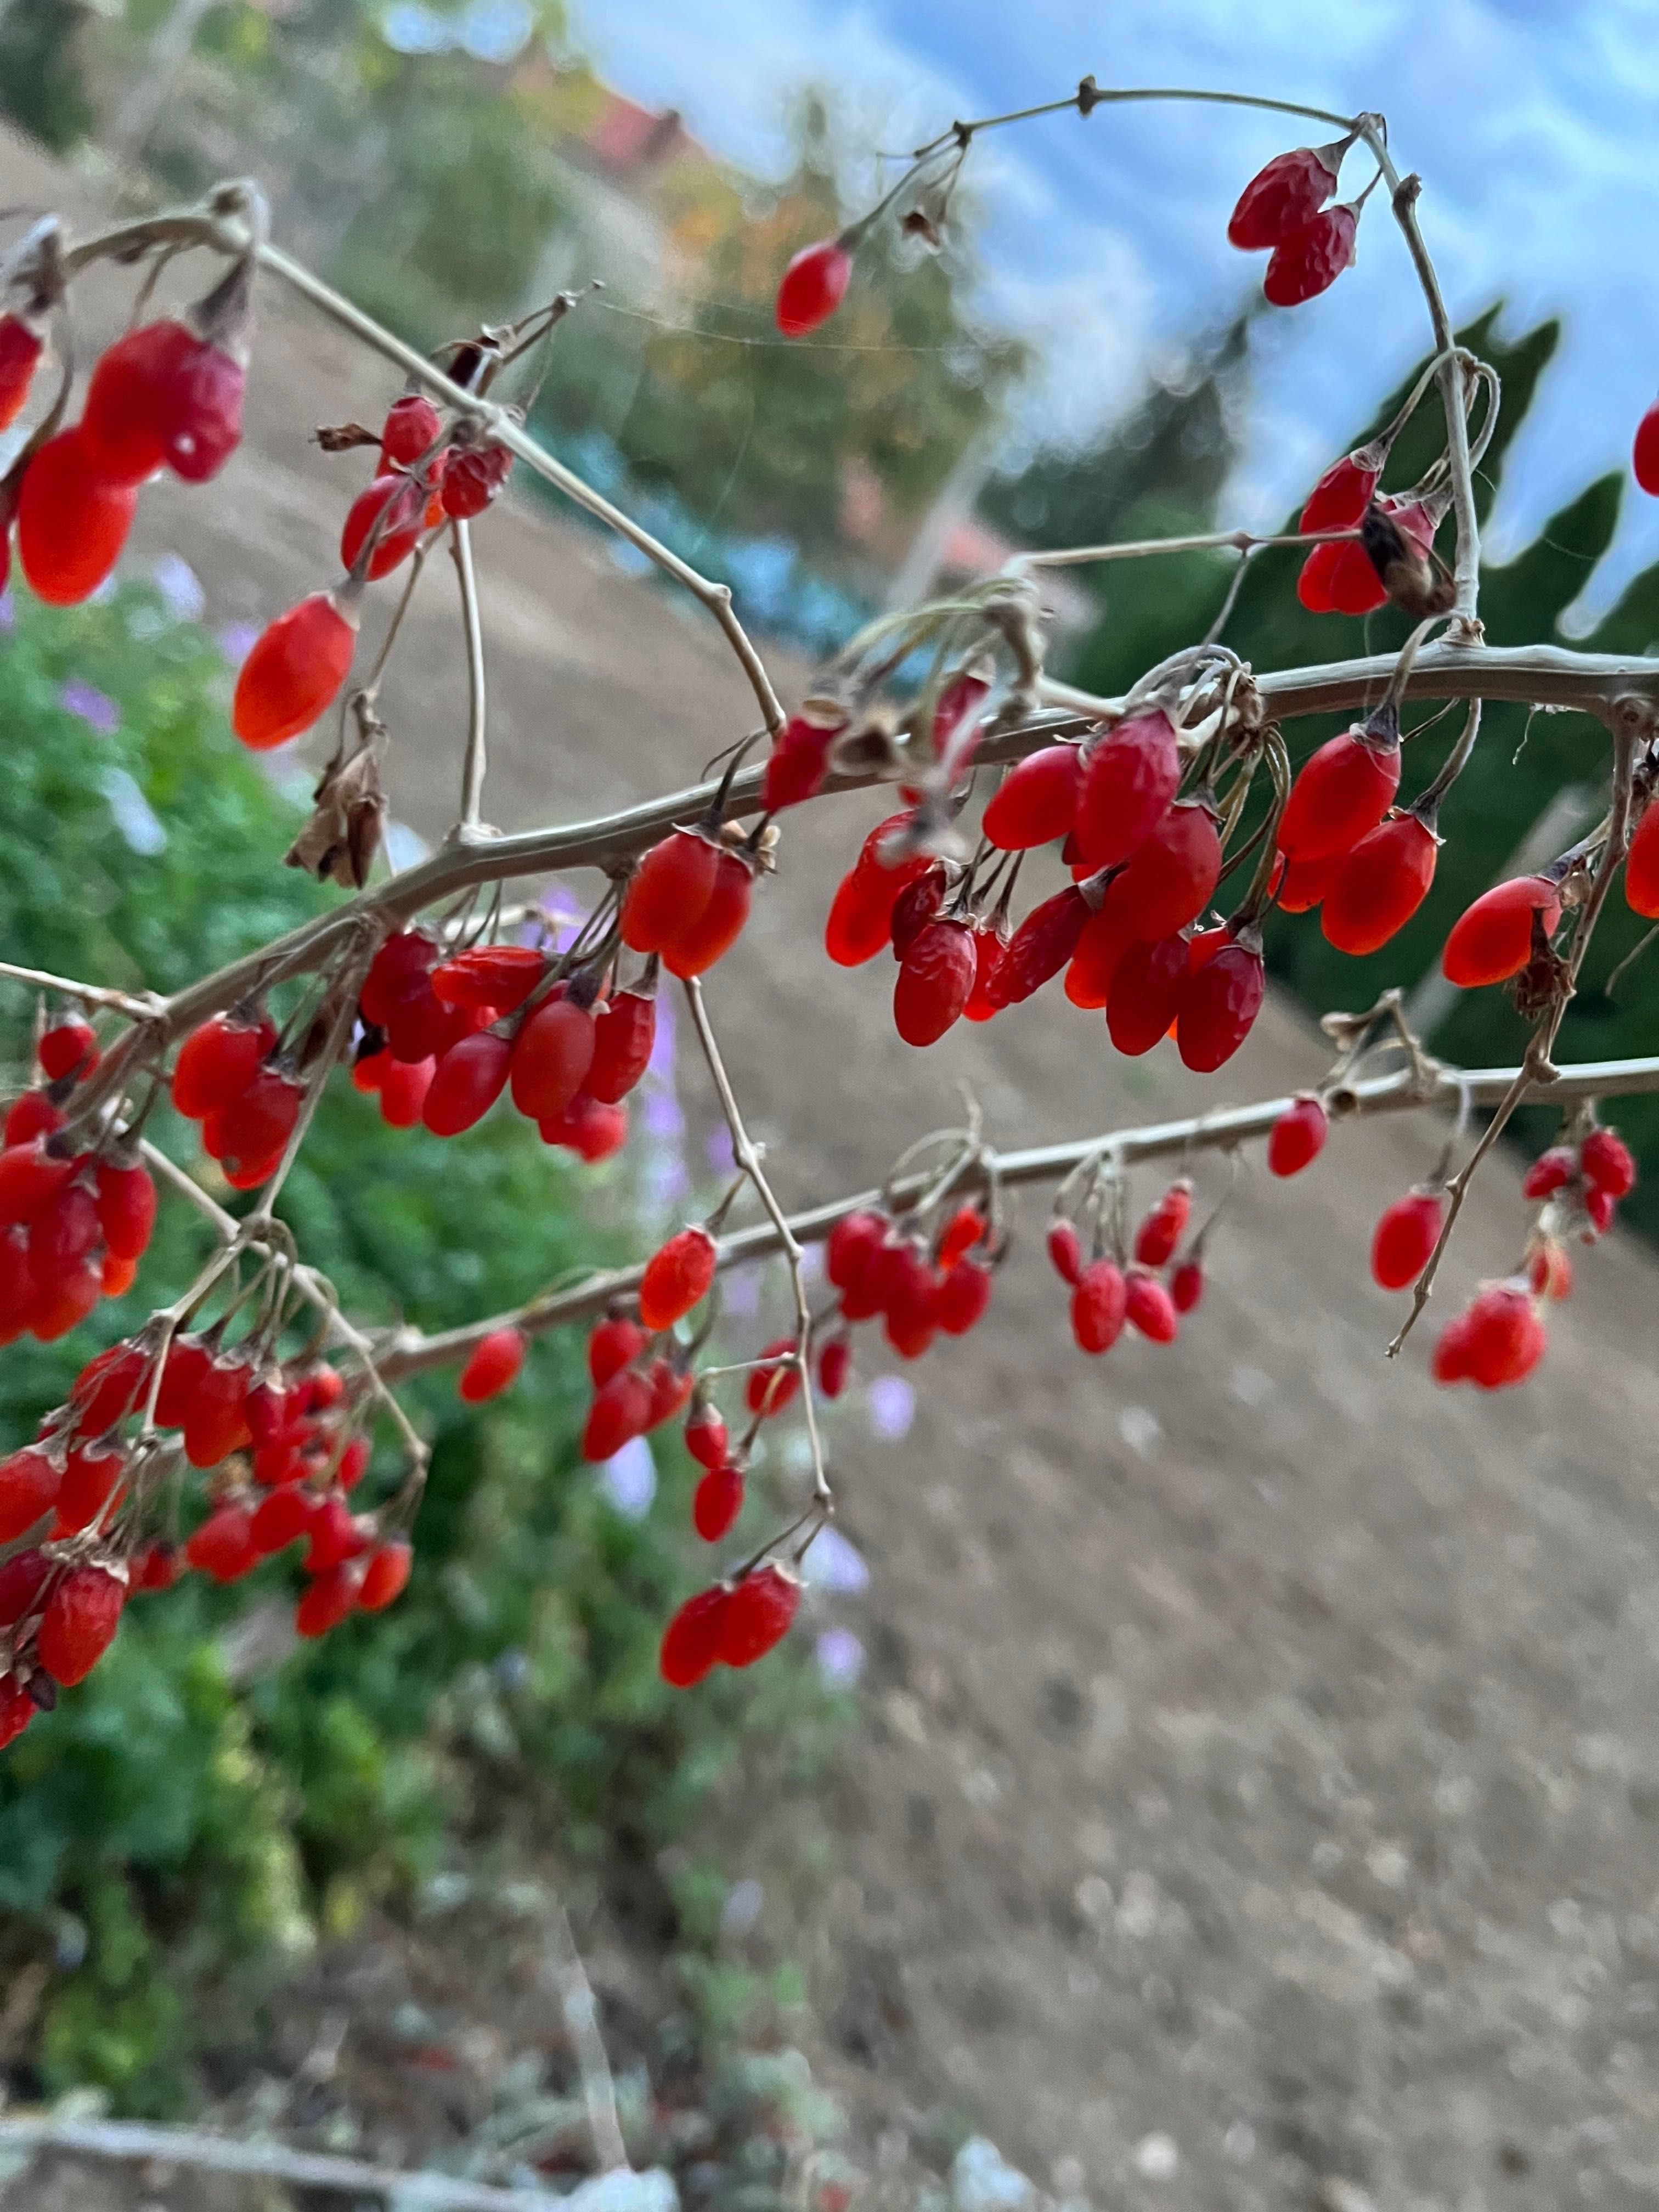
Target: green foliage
[
  {"x": 169, "y": 1824},
  {"x": 41, "y": 83}
]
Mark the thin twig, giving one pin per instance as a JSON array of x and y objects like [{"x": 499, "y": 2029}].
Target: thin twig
[
  {"x": 90, "y": 994},
  {"x": 580, "y": 2011},
  {"x": 473, "y": 768},
  {"x": 748, "y": 1157},
  {"x": 1136, "y": 549},
  {"x": 409, "y": 1352}
]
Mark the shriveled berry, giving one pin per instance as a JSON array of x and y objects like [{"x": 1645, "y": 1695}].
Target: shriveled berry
[
  {"x": 23, "y": 1578},
  {"x": 934, "y": 980},
  {"x": 965, "y": 1229},
  {"x": 163, "y": 395},
  {"x": 1149, "y": 1307},
  {"x": 588, "y": 1128},
  {"x": 1297, "y": 1137},
  {"x": 799, "y": 760},
  {"x": 669, "y": 890},
  {"x": 106, "y": 1388},
  {"x": 1505, "y": 1338},
  {"x": 1098, "y": 1306},
  {"x": 1037, "y": 801},
  {"x": 475, "y": 477},
  {"x": 1129, "y": 778},
  {"x": 813, "y": 286},
  {"x": 79, "y": 1624},
  {"x": 294, "y": 673},
  {"x": 990, "y": 951},
  {"x": 1308, "y": 260},
  {"x": 916, "y": 906},
  {"x": 394, "y": 505},
  {"x": 677, "y": 1277},
  {"x": 690, "y": 1643},
  {"x": 494, "y": 1365},
  {"x": 72, "y": 522},
  {"x": 717, "y": 1503},
  {"x": 496, "y": 977},
  {"x": 1378, "y": 886},
  {"x": 1340, "y": 497},
  {"x": 1042, "y": 946},
  {"x": 759, "y": 1615},
  {"x": 1492, "y": 940},
  {"x": 412, "y": 427},
  {"x": 157, "y": 1566},
  {"x": 249, "y": 1133},
  {"x": 1280, "y": 197}
]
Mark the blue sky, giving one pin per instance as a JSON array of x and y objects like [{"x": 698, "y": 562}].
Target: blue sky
[{"x": 1531, "y": 122}]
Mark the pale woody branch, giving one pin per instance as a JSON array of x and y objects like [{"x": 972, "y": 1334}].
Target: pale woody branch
[{"x": 410, "y": 1352}]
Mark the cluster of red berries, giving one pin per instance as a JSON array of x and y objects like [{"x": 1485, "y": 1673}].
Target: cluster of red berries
[
  {"x": 167, "y": 394},
  {"x": 1109, "y": 1289},
  {"x": 688, "y": 898},
  {"x": 426, "y": 475},
  {"x": 287, "y": 1457},
  {"x": 1357, "y": 575},
  {"x": 73, "y": 1224},
  {"x": 1343, "y": 850},
  {"x": 1283, "y": 212},
  {"x": 919, "y": 1287}
]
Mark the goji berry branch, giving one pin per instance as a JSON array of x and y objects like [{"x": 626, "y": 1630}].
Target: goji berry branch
[{"x": 408, "y": 1353}]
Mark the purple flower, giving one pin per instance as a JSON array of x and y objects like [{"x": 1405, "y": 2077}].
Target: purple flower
[
  {"x": 7, "y": 613},
  {"x": 893, "y": 1408},
  {"x": 237, "y": 641},
  {"x": 721, "y": 1159},
  {"x": 93, "y": 706},
  {"x": 840, "y": 1656}
]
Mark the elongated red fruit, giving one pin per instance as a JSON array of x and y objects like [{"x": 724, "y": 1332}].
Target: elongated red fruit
[
  {"x": 79, "y": 1624},
  {"x": 1146, "y": 993},
  {"x": 772, "y": 1382},
  {"x": 1608, "y": 1162},
  {"x": 934, "y": 980},
  {"x": 1187, "y": 1286},
  {"x": 385, "y": 1577},
  {"x": 620, "y": 1412},
  {"x": 163, "y": 395},
  {"x": 612, "y": 1343},
  {"x": 1130, "y": 777},
  {"x": 717, "y": 1503},
  {"x": 496, "y": 977},
  {"x": 403, "y": 504},
  {"x": 1297, "y": 1137},
  {"x": 294, "y": 671},
  {"x": 705, "y": 1437},
  {"x": 126, "y": 1208},
  {"x": 1168, "y": 882},
  {"x": 1340, "y": 497},
  {"x": 21, "y": 347},
  {"x": 218, "y": 1062},
  {"x": 677, "y": 1277},
  {"x": 72, "y": 522},
  {"x": 1343, "y": 791},
  {"x": 29, "y": 1483},
  {"x": 493, "y": 1366},
  {"x": 717, "y": 928},
  {"x": 1308, "y": 260},
  {"x": 1379, "y": 885},
  {"x": 1105, "y": 938},
  {"x": 1099, "y": 1302},
  {"x": 1149, "y": 1308},
  {"x": 1641, "y": 861},
  {"x": 623, "y": 1036},
  {"x": 66, "y": 1046},
  {"x": 1041, "y": 946},
  {"x": 1218, "y": 1003},
  {"x": 1403, "y": 1239},
  {"x": 223, "y": 1547},
  {"x": 1066, "y": 1251},
  {"x": 1644, "y": 454},
  {"x": 1164, "y": 1226},
  {"x": 813, "y": 286},
  {"x": 1037, "y": 801},
  {"x": 1503, "y": 1337},
  {"x": 759, "y": 1615},
  {"x": 690, "y": 1643},
  {"x": 1492, "y": 940},
  {"x": 960, "y": 1301},
  {"x": 671, "y": 886},
  {"x": 1303, "y": 883},
  {"x": 1280, "y": 197},
  {"x": 466, "y": 1083},
  {"x": 799, "y": 760},
  {"x": 551, "y": 1057}
]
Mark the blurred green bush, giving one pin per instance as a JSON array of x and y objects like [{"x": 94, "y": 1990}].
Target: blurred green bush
[{"x": 166, "y": 1828}]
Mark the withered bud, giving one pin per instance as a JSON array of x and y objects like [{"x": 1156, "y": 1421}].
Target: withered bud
[
  {"x": 1414, "y": 579},
  {"x": 869, "y": 746},
  {"x": 223, "y": 318},
  {"x": 339, "y": 842},
  {"x": 924, "y": 217},
  {"x": 344, "y": 435},
  {"x": 1545, "y": 980}
]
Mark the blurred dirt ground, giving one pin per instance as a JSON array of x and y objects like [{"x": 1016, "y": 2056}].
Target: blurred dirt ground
[{"x": 1259, "y": 1791}]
